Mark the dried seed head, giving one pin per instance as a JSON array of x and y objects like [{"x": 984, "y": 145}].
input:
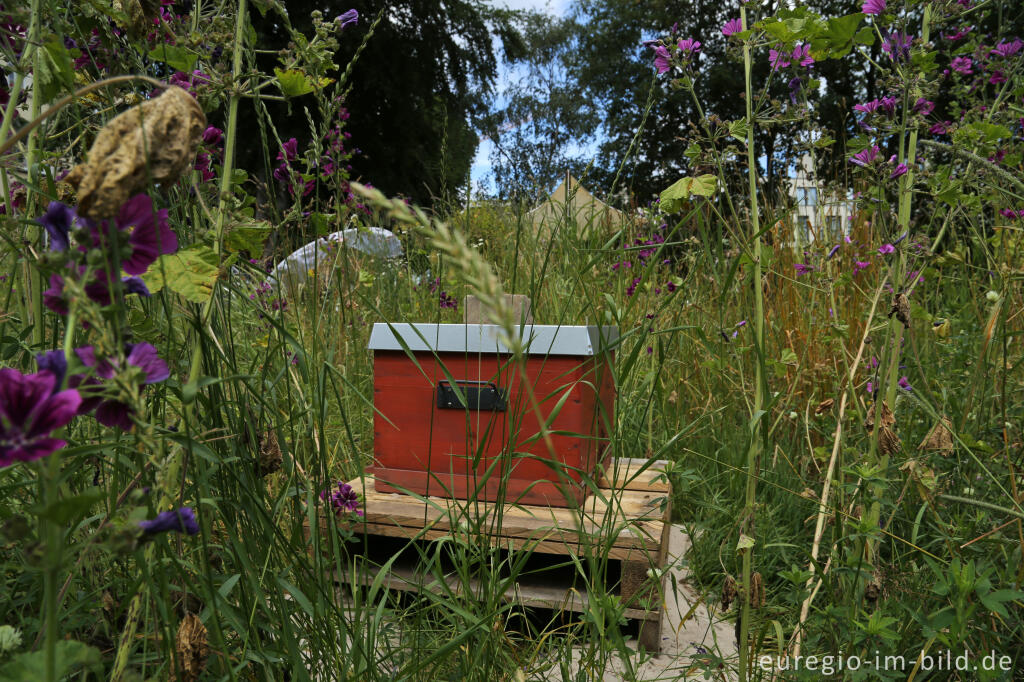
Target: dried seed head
[
  {"x": 729, "y": 592},
  {"x": 809, "y": 494},
  {"x": 940, "y": 438},
  {"x": 191, "y": 649},
  {"x": 756, "y": 591},
  {"x": 888, "y": 441},
  {"x": 270, "y": 453},
  {"x": 155, "y": 141},
  {"x": 872, "y": 591},
  {"x": 888, "y": 419},
  {"x": 901, "y": 309},
  {"x": 824, "y": 406}
]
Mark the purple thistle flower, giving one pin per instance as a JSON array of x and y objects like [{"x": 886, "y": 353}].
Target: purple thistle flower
[
  {"x": 871, "y": 7},
  {"x": 30, "y": 410},
  {"x": 58, "y": 220},
  {"x": 777, "y": 58},
  {"x": 897, "y": 46},
  {"x": 886, "y": 249},
  {"x": 865, "y": 157},
  {"x": 662, "y": 58},
  {"x": 962, "y": 65},
  {"x": 1007, "y": 50},
  {"x": 732, "y": 27},
  {"x": 181, "y": 520},
  {"x": 348, "y": 18}
]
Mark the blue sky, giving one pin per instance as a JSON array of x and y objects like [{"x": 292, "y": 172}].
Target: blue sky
[{"x": 482, "y": 163}]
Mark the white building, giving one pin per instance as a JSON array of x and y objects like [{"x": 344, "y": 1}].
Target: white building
[{"x": 818, "y": 215}]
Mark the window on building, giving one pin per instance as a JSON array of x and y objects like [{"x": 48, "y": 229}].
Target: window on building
[
  {"x": 835, "y": 226},
  {"x": 803, "y": 227}
]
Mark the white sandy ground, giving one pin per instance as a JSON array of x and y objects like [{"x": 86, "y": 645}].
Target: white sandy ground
[{"x": 692, "y": 632}]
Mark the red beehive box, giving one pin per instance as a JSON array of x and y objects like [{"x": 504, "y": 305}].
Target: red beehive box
[{"x": 456, "y": 416}]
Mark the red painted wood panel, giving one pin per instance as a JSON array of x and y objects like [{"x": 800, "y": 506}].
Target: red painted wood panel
[{"x": 449, "y": 452}]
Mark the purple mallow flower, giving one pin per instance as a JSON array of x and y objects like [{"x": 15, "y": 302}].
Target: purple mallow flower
[
  {"x": 1006, "y": 50},
  {"x": 31, "y": 409},
  {"x": 885, "y": 249},
  {"x": 344, "y": 499},
  {"x": 732, "y": 27},
  {"x": 662, "y": 58},
  {"x": 803, "y": 269},
  {"x": 962, "y": 65},
  {"x": 213, "y": 135},
  {"x": 897, "y": 46},
  {"x": 832, "y": 252},
  {"x": 778, "y": 58},
  {"x": 901, "y": 169},
  {"x": 689, "y": 46},
  {"x": 904, "y": 384},
  {"x": 348, "y": 18},
  {"x": 181, "y": 520},
  {"x": 860, "y": 265},
  {"x": 923, "y": 106},
  {"x": 58, "y": 221},
  {"x": 802, "y": 55},
  {"x": 940, "y": 128},
  {"x": 141, "y": 356},
  {"x": 873, "y": 7},
  {"x": 865, "y": 157}
]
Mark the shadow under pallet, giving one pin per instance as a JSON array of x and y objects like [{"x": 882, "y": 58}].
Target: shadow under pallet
[{"x": 621, "y": 529}]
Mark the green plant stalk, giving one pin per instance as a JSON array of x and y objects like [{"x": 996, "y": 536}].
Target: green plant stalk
[
  {"x": 903, "y": 223},
  {"x": 36, "y": 278},
  {"x": 172, "y": 471},
  {"x": 754, "y": 450}
]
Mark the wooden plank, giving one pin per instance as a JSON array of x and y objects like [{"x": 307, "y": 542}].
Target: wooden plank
[
  {"x": 407, "y": 579},
  {"x": 632, "y": 519},
  {"x": 625, "y": 473}
]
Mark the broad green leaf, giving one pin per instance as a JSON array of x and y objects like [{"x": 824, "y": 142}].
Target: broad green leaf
[
  {"x": 788, "y": 357},
  {"x": 31, "y": 666},
  {"x": 838, "y": 37},
  {"x": 673, "y": 197},
  {"x": 985, "y": 132},
  {"x": 294, "y": 82},
  {"x": 65, "y": 510},
  {"x": 865, "y": 36},
  {"x": 190, "y": 273},
  {"x": 745, "y": 542},
  {"x": 738, "y": 129},
  {"x": 55, "y": 73},
  {"x": 175, "y": 57},
  {"x": 249, "y": 237}
]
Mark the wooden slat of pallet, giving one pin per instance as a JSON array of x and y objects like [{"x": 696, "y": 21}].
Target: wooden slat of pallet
[
  {"x": 406, "y": 579},
  {"x": 629, "y": 473},
  {"x": 633, "y": 520}
]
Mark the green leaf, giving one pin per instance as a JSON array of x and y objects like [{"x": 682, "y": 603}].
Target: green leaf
[
  {"x": 249, "y": 237},
  {"x": 838, "y": 38},
  {"x": 738, "y": 129},
  {"x": 788, "y": 357},
  {"x": 295, "y": 82},
  {"x": 673, "y": 197},
  {"x": 865, "y": 36},
  {"x": 191, "y": 273},
  {"x": 985, "y": 132},
  {"x": 55, "y": 73},
  {"x": 745, "y": 542},
  {"x": 65, "y": 510},
  {"x": 176, "y": 57},
  {"x": 31, "y": 666}
]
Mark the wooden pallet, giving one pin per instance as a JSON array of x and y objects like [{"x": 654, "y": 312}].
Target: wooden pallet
[{"x": 627, "y": 520}]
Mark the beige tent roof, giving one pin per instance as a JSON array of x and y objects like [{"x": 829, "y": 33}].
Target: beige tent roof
[{"x": 572, "y": 199}]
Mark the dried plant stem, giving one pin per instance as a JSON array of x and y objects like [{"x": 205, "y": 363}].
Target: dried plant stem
[
  {"x": 819, "y": 528},
  {"x": 747, "y": 525}
]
